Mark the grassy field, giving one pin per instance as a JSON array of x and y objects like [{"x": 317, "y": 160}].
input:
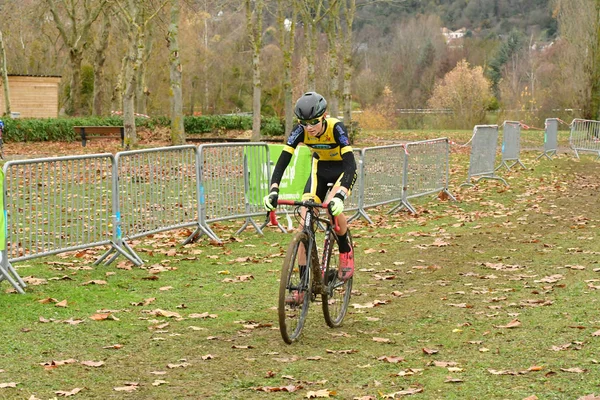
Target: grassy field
[{"x": 495, "y": 296}]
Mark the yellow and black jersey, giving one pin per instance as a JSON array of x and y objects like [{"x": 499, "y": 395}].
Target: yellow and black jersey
[
  {"x": 329, "y": 146},
  {"x": 331, "y": 152}
]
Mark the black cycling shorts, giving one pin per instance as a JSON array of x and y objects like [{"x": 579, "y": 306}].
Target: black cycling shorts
[{"x": 322, "y": 174}]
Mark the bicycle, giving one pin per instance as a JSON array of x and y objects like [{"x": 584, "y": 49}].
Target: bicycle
[{"x": 300, "y": 285}]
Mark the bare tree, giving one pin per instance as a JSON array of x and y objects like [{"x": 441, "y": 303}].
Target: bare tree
[
  {"x": 312, "y": 12},
  {"x": 287, "y": 29},
  {"x": 137, "y": 23},
  {"x": 142, "y": 92},
  {"x": 579, "y": 23},
  {"x": 349, "y": 7},
  {"x": 3, "y": 70},
  {"x": 175, "y": 72},
  {"x": 333, "y": 32},
  {"x": 73, "y": 19},
  {"x": 254, "y": 20},
  {"x": 100, "y": 61}
]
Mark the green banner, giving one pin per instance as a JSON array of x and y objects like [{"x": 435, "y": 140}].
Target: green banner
[{"x": 294, "y": 178}]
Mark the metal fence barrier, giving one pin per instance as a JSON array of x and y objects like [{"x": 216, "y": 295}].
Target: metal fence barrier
[
  {"x": 426, "y": 171},
  {"x": 7, "y": 272},
  {"x": 511, "y": 144},
  {"x": 354, "y": 201},
  {"x": 225, "y": 190},
  {"x": 585, "y": 136},
  {"x": 157, "y": 191},
  {"x": 483, "y": 154},
  {"x": 550, "y": 138},
  {"x": 60, "y": 204},
  {"x": 54, "y": 205},
  {"x": 380, "y": 174}
]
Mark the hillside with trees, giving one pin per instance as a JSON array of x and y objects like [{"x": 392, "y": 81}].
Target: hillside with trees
[
  {"x": 483, "y": 17},
  {"x": 539, "y": 57}
]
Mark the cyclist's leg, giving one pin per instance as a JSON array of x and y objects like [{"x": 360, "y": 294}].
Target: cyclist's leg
[{"x": 346, "y": 266}]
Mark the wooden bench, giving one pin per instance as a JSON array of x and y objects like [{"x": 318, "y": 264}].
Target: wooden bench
[{"x": 100, "y": 132}]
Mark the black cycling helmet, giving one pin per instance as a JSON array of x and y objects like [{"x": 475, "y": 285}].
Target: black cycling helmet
[{"x": 311, "y": 105}]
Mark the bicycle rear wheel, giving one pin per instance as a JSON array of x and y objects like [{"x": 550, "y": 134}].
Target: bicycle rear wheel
[
  {"x": 294, "y": 290},
  {"x": 337, "y": 292}
]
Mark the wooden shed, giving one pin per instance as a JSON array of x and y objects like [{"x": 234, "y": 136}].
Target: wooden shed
[{"x": 32, "y": 96}]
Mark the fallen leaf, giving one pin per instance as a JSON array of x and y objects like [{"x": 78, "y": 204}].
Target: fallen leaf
[
  {"x": 67, "y": 394},
  {"x": 203, "y": 315},
  {"x": 574, "y": 370},
  {"x": 515, "y": 323},
  {"x": 561, "y": 347},
  {"x": 8, "y": 385},
  {"x": 47, "y": 300},
  {"x": 53, "y": 364},
  {"x": 318, "y": 394},
  {"x": 103, "y": 316},
  {"x": 92, "y": 363},
  {"x": 271, "y": 389},
  {"x": 128, "y": 388},
  {"x": 445, "y": 364},
  {"x": 391, "y": 359},
  {"x": 182, "y": 365},
  {"x": 94, "y": 282},
  {"x": 72, "y": 321},
  {"x": 163, "y": 313},
  {"x": 381, "y": 340},
  {"x": 145, "y": 302},
  {"x": 62, "y": 304}
]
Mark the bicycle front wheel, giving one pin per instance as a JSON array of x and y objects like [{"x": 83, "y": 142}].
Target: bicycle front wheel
[
  {"x": 336, "y": 296},
  {"x": 294, "y": 288}
]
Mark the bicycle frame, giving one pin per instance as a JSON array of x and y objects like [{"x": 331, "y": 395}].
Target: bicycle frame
[{"x": 311, "y": 219}]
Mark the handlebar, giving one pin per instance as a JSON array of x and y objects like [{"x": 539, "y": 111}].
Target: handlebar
[{"x": 308, "y": 204}]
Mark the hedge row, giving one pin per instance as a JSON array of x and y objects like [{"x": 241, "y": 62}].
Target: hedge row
[{"x": 61, "y": 129}]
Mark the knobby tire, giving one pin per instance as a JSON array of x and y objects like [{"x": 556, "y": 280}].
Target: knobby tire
[
  {"x": 336, "y": 296},
  {"x": 292, "y": 317}
]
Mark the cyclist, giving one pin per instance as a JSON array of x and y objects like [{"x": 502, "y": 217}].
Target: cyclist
[{"x": 332, "y": 163}]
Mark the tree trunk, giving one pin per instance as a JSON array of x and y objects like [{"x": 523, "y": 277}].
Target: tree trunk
[
  {"x": 349, "y": 11},
  {"x": 286, "y": 43},
  {"x": 100, "y": 60},
  {"x": 175, "y": 72},
  {"x": 595, "y": 81},
  {"x": 4, "y": 72},
  {"x": 334, "y": 74},
  {"x": 129, "y": 102},
  {"x": 116, "y": 103},
  {"x": 254, "y": 25},
  {"x": 141, "y": 91}
]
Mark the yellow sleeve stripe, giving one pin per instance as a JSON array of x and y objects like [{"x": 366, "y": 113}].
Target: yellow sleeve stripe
[
  {"x": 346, "y": 149},
  {"x": 289, "y": 149}
]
